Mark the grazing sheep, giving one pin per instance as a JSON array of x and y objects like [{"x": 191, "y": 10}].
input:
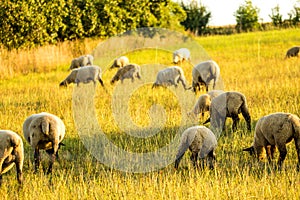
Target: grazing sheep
[
  {"x": 180, "y": 55},
  {"x": 44, "y": 131},
  {"x": 11, "y": 152},
  {"x": 276, "y": 130},
  {"x": 170, "y": 76},
  {"x": 129, "y": 71},
  {"x": 120, "y": 62},
  {"x": 292, "y": 52},
  {"x": 81, "y": 61},
  {"x": 204, "y": 73},
  {"x": 228, "y": 104},
  {"x": 84, "y": 74},
  {"x": 203, "y": 103},
  {"x": 201, "y": 141}
]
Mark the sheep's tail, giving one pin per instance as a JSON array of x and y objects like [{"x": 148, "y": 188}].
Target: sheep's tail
[
  {"x": 295, "y": 124},
  {"x": 245, "y": 112},
  {"x": 215, "y": 71}
]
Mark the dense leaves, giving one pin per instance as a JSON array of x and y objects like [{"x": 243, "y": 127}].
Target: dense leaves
[{"x": 26, "y": 23}]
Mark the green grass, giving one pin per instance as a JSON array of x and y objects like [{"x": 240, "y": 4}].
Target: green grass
[{"x": 252, "y": 63}]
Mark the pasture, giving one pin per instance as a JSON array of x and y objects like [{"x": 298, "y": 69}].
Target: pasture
[{"x": 251, "y": 63}]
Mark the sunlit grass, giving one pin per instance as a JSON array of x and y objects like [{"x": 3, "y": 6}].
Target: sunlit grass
[{"x": 252, "y": 63}]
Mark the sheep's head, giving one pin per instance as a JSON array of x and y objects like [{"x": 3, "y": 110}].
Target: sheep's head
[{"x": 176, "y": 59}]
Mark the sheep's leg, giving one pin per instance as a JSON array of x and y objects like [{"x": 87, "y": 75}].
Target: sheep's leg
[
  {"x": 193, "y": 158},
  {"x": 236, "y": 120},
  {"x": 37, "y": 159},
  {"x": 19, "y": 172},
  {"x": 297, "y": 143},
  {"x": 1, "y": 163},
  {"x": 268, "y": 152},
  {"x": 282, "y": 153},
  {"x": 101, "y": 82},
  {"x": 211, "y": 158}
]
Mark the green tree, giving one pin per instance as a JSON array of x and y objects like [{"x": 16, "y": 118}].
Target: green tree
[
  {"x": 294, "y": 15},
  {"x": 197, "y": 17},
  {"x": 246, "y": 17},
  {"x": 276, "y": 17}
]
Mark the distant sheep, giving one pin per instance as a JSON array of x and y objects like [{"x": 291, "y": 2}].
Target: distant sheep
[
  {"x": 204, "y": 73},
  {"x": 11, "y": 152},
  {"x": 276, "y": 130},
  {"x": 181, "y": 55},
  {"x": 170, "y": 76},
  {"x": 202, "y": 143},
  {"x": 120, "y": 62},
  {"x": 228, "y": 104},
  {"x": 203, "y": 103},
  {"x": 292, "y": 52},
  {"x": 84, "y": 75},
  {"x": 127, "y": 72},
  {"x": 81, "y": 61},
  {"x": 44, "y": 131}
]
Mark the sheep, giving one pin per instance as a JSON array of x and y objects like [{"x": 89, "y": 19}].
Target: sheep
[
  {"x": 11, "y": 152},
  {"x": 228, "y": 104},
  {"x": 202, "y": 143},
  {"x": 180, "y": 55},
  {"x": 292, "y": 52},
  {"x": 120, "y": 62},
  {"x": 129, "y": 71},
  {"x": 204, "y": 73},
  {"x": 170, "y": 76},
  {"x": 276, "y": 130},
  {"x": 203, "y": 103},
  {"x": 81, "y": 61},
  {"x": 44, "y": 131},
  {"x": 85, "y": 75}
]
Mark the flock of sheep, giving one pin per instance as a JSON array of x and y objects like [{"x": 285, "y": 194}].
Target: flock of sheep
[{"x": 45, "y": 131}]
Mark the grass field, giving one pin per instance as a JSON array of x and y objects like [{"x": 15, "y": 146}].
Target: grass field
[{"x": 252, "y": 63}]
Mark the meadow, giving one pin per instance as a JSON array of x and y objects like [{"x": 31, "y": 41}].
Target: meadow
[{"x": 251, "y": 63}]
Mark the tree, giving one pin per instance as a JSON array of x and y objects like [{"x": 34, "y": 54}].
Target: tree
[
  {"x": 197, "y": 17},
  {"x": 294, "y": 15},
  {"x": 276, "y": 17},
  {"x": 246, "y": 17}
]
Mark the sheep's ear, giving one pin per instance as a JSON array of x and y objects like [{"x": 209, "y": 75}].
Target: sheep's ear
[
  {"x": 45, "y": 126},
  {"x": 250, "y": 150}
]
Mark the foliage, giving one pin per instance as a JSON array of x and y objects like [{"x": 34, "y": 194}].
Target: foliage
[
  {"x": 276, "y": 17},
  {"x": 246, "y": 17},
  {"x": 294, "y": 15},
  {"x": 197, "y": 17},
  {"x": 26, "y": 23}
]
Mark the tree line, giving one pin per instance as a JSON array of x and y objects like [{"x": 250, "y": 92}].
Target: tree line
[{"x": 27, "y": 23}]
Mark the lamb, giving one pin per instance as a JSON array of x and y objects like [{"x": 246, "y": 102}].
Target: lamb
[
  {"x": 170, "y": 76},
  {"x": 11, "y": 152},
  {"x": 202, "y": 143},
  {"x": 81, "y": 61},
  {"x": 203, "y": 103},
  {"x": 228, "y": 104},
  {"x": 180, "y": 55},
  {"x": 292, "y": 52},
  {"x": 129, "y": 71},
  {"x": 44, "y": 131},
  {"x": 84, "y": 74},
  {"x": 276, "y": 130},
  {"x": 204, "y": 73},
  {"x": 120, "y": 62}
]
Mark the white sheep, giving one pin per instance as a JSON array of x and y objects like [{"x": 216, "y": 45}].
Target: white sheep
[
  {"x": 203, "y": 103},
  {"x": 276, "y": 130},
  {"x": 170, "y": 76},
  {"x": 84, "y": 74},
  {"x": 204, "y": 73},
  {"x": 129, "y": 71},
  {"x": 292, "y": 52},
  {"x": 120, "y": 62},
  {"x": 11, "y": 152},
  {"x": 181, "y": 55},
  {"x": 44, "y": 131},
  {"x": 81, "y": 61},
  {"x": 202, "y": 143},
  {"x": 228, "y": 104}
]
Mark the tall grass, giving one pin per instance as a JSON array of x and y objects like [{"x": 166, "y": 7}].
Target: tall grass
[{"x": 252, "y": 63}]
